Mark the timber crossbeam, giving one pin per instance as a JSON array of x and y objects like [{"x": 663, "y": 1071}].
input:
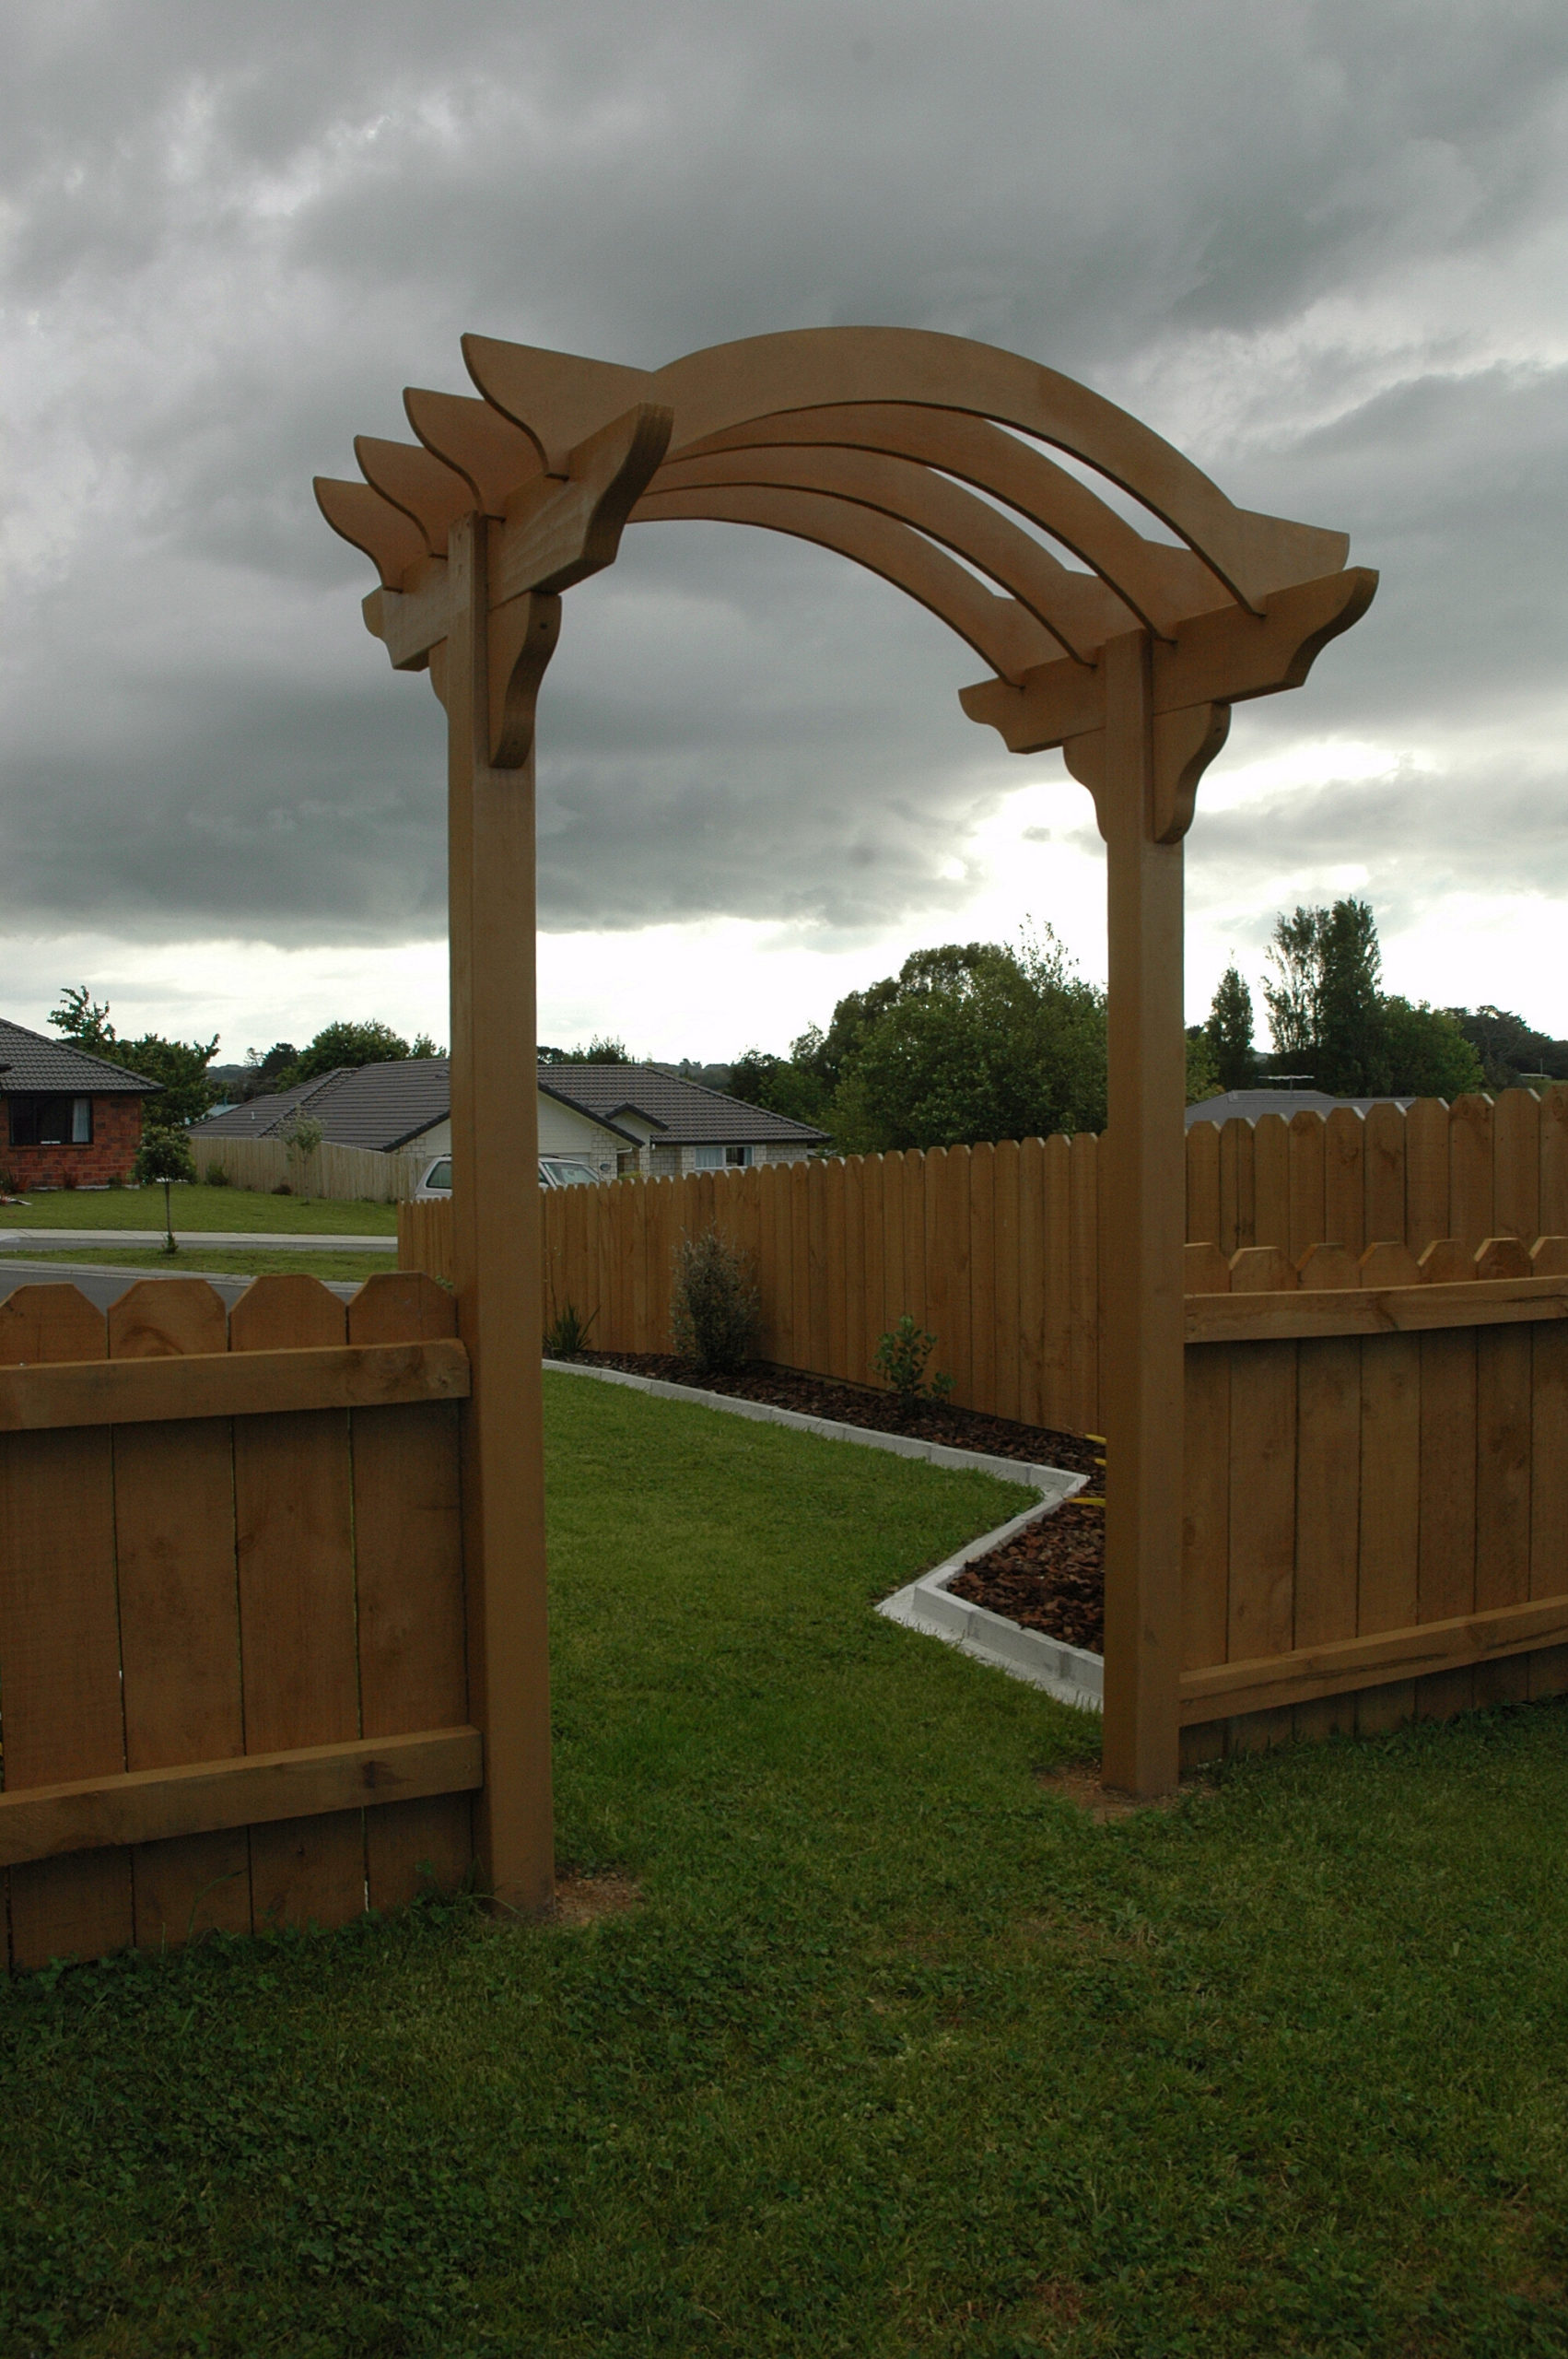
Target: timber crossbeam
[
  {"x": 1384, "y": 1311},
  {"x": 1227, "y": 1690},
  {"x": 230, "y": 1384},
  {"x": 250, "y": 1790}
]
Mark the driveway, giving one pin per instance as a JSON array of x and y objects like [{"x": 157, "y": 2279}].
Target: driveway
[{"x": 104, "y": 1286}]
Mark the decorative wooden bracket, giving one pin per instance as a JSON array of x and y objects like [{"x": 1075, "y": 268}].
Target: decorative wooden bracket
[
  {"x": 1215, "y": 659},
  {"x": 1185, "y": 745},
  {"x": 554, "y": 532}
]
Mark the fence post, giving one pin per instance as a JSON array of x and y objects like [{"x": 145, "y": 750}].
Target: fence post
[{"x": 497, "y": 1247}]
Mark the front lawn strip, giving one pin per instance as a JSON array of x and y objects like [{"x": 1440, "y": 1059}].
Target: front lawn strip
[
  {"x": 894, "y": 2050},
  {"x": 196, "y": 1207}
]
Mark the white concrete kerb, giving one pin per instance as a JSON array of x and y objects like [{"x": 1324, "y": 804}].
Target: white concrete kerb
[{"x": 1069, "y": 1673}]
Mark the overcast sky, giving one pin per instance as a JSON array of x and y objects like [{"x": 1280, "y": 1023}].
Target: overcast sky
[{"x": 1324, "y": 248}]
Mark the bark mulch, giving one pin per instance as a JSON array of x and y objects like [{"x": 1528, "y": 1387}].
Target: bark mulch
[
  {"x": 855, "y": 1404},
  {"x": 1051, "y": 1577}
]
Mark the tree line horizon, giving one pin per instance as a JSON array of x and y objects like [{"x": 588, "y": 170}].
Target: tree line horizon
[{"x": 974, "y": 1041}]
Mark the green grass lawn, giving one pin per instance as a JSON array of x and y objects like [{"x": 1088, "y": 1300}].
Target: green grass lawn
[
  {"x": 900, "y": 2053},
  {"x": 198, "y": 1207},
  {"x": 229, "y": 1261}
]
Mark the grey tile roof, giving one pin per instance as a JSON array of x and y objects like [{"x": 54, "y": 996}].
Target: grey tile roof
[
  {"x": 384, "y": 1106},
  {"x": 1248, "y": 1105},
  {"x": 380, "y": 1107},
  {"x": 683, "y": 1112},
  {"x": 30, "y": 1061}
]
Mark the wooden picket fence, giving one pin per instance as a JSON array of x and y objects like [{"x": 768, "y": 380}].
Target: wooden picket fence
[
  {"x": 232, "y": 1648},
  {"x": 352, "y": 1175},
  {"x": 997, "y": 1250},
  {"x": 1376, "y": 1522}
]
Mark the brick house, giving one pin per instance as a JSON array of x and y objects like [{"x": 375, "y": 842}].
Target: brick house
[{"x": 66, "y": 1120}]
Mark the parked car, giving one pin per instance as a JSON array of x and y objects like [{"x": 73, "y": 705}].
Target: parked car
[{"x": 555, "y": 1171}]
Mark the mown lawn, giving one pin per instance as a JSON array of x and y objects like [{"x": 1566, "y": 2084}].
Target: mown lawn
[
  {"x": 899, "y": 2052},
  {"x": 197, "y": 1206}
]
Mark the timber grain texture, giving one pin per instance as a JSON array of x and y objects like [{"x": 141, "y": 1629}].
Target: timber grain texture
[{"x": 232, "y": 1618}]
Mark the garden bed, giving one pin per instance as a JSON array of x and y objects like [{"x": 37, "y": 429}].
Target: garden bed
[
  {"x": 1049, "y": 1577},
  {"x": 855, "y": 1405}
]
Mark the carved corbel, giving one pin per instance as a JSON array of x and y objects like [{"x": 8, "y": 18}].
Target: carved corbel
[
  {"x": 1185, "y": 744},
  {"x": 521, "y": 639}
]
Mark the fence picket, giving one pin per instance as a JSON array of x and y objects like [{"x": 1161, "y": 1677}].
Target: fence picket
[
  {"x": 1344, "y": 1180},
  {"x": 1516, "y": 1150},
  {"x": 59, "y": 1635},
  {"x": 294, "y": 1513},
  {"x": 1203, "y": 1183},
  {"x": 1082, "y": 1403},
  {"x": 1470, "y": 1168},
  {"x": 179, "y": 1612},
  {"x": 1327, "y": 1508},
  {"x": 1383, "y": 1163},
  {"x": 1238, "y": 1187},
  {"x": 1271, "y": 1181},
  {"x": 1005, "y": 1338},
  {"x": 1308, "y": 1212},
  {"x": 1502, "y": 1494}
]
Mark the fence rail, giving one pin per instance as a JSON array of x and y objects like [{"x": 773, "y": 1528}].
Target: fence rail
[
  {"x": 232, "y": 1629},
  {"x": 340, "y": 1174}
]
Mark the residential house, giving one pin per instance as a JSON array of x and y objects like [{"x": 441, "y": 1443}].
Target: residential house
[
  {"x": 616, "y": 1119},
  {"x": 67, "y": 1119}
]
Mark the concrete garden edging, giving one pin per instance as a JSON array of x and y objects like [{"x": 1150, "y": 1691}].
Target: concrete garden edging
[{"x": 1069, "y": 1673}]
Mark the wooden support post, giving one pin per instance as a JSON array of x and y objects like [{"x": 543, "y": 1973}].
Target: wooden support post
[
  {"x": 496, "y": 1250},
  {"x": 1143, "y": 1364}
]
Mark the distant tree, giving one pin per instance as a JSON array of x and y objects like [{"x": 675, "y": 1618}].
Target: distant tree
[
  {"x": 1228, "y": 1033},
  {"x": 975, "y": 1042},
  {"x": 424, "y": 1046},
  {"x": 261, "y": 1074},
  {"x": 1351, "y": 1052},
  {"x": 1508, "y": 1046},
  {"x": 1202, "y": 1073},
  {"x": 179, "y": 1066},
  {"x": 782, "y": 1085},
  {"x": 1428, "y": 1054},
  {"x": 600, "y": 1050},
  {"x": 343, "y": 1044},
  {"x": 1292, "y": 994}
]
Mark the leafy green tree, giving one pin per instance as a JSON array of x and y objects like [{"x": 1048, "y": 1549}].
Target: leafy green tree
[
  {"x": 1325, "y": 999},
  {"x": 1428, "y": 1054},
  {"x": 1228, "y": 1034},
  {"x": 600, "y": 1050},
  {"x": 1508, "y": 1046},
  {"x": 1292, "y": 994},
  {"x": 179, "y": 1066},
  {"x": 343, "y": 1044},
  {"x": 975, "y": 1042},
  {"x": 783, "y": 1085},
  {"x": 262, "y": 1075},
  {"x": 1202, "y": 1073},
  {"x": 163, "y": 1157}
]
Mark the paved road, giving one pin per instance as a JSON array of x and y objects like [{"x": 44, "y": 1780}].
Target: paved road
[
  {"x": 66, "y": 1241},
  {"x": 104, "y": 1286}
]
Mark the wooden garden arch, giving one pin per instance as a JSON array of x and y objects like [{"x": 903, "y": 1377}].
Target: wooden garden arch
[{"x": 902, "y": 450}]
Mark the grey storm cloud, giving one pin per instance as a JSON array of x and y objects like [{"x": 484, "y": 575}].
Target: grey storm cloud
[{"x": 228, "y": 238}]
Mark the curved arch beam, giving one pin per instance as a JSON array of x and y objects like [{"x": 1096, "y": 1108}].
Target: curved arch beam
[
  {"x": 1002, "y": 633},
  {"x": 1162, "y": 585},
  {"x": 1078, "y": 610},
  {"x": 560, "y": 398}
]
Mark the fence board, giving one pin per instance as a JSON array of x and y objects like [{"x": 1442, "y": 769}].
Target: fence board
[
  {"x": 982, "y": 1277},
  {"x": 1553, "y": 1184},
  {"x": 1005, "y": 1337},
  {"x": 1051, "y": 1187},
  {"x": 1238, "y": 1187},
  {"x": 1082, "y": 1403},
  {"x": 827, "y": 1268},
  {"x": 1448, "y": 1548},
  {"x": 59, "y": 1635},
  {"x": 294, "y": 1513},
  {"x": 854, "y": 1342},
  {"x": 1469, "y": 1169},
  {"x": 179, "y": 1612},
  {"x": 1327, "y": 1510},
  {"x": 1426, "y": 1173},
  {"x": 1549, "y": 1492},
  {"x": 1516, "y": 1150},
  {"x": 1271, "y": 1181},
  {"x": 408, "y": 1550},
  {"x": 915, "y": 1173},
  {"x": 1382, "y": 1167},
  {"x": 1388, "y": 1596},
  {"x": 1203, "y": 1183},
  {"x": 1344, "y": 1180},
  {"x": 1502, "y": 1494},
  {"x": 1308, "y": 1212}
]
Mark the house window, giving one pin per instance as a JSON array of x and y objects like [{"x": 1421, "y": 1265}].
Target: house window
[
  {"x": 719, "y": 1158},
  {"x": 50, "y": 1122}
]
